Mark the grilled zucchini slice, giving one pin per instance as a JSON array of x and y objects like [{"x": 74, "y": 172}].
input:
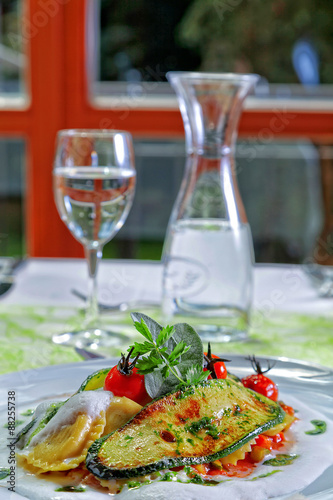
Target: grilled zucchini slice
[
  {"x": 94, "y": 381},
  {"x": 195, "y": 425}
]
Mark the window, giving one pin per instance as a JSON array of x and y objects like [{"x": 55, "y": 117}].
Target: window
[{"x": 69, "y": 85}]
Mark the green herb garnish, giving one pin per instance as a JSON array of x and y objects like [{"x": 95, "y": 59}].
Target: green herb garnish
[
  {"x": 320, "y": 427},
  {"x": 170, "y": 357}
]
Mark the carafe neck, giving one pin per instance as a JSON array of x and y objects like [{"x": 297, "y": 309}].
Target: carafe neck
[{"x": 211, "y": 105}]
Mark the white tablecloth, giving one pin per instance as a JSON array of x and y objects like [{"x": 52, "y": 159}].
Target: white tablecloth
[{"x": 50, "y": 281}]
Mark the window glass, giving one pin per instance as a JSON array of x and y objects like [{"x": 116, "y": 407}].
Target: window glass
[
  {"x": 138, "y": 40},
  {"x": 12, "y": 154},
  {"x": 12, "y": 58},
  {"x": 287, "y": 43},
  {"x": 279, "y": 181},
  {"x": 159, "y": 166},
  {"x": 280, "y": 184}
]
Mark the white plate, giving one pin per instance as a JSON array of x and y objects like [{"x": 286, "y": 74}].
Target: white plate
[{"x": 310, "y": 383}]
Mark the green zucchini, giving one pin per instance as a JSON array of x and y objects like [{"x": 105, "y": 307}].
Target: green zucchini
[
  {"x": 233, "y": 377},
  {"x": 94, "y": 381},
  {"x": 195, "y": 425}
]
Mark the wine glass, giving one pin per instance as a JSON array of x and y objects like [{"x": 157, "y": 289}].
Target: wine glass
[{"x": 94, "y": 182}]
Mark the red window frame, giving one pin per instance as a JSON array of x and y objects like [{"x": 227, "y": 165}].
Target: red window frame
[{"x": 55, "y": 35}]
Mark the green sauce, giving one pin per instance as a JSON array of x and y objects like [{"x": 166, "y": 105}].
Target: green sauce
[
  {"x": 319, "y": 427},
  {"x": 27, "y": 413},
  {"x": 169, "y": 476},
  {"x": 264, "y": 475},
  {"x": 281, "y": 459},
  {"x": 72, "y": 489},
  {"x": 197, "y": 479},
  {"x": 137, "y": 484},
  {"x": 17, "y": 423},
  {"x": 4, "y": 472},
  {"x": 203, "y": 423}
]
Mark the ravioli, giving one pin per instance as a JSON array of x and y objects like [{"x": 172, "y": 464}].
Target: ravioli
[
  {"x": 63, "y": 443},
  {"x": 238, "y": 454}
]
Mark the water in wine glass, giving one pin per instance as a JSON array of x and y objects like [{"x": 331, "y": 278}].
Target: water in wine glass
[
  {"x": 94, "y": 183},
  {"x": 94, "y": 201}
]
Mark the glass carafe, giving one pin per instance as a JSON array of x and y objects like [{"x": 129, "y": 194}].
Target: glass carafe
[{"x": 208, "y": 252}]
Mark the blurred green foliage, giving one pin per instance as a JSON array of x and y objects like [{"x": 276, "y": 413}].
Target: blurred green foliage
[
  {"x": 213, "y": 35},
  {"x": 258, "y": 35}
]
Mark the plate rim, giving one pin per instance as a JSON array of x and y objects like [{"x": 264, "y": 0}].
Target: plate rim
[
  {"x": 112, "y": 359},
  {"x": 94, "y": 364}
]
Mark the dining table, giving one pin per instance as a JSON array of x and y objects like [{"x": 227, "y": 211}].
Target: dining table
[
  {"x": 288, "y": 319},
  {"x": 291, "y": 332}
]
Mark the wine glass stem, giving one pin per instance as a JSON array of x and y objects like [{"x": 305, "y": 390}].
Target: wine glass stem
[{"x": 93, "y": 256}]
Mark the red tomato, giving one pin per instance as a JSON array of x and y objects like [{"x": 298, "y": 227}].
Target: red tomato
[
  {"x": 216, "y": 472},
  {"x": 243, "y": 468},
  {"x": 264, "y": 385},
  {"x": 218, "y": 366},
  {"x": 264, "y": 442},
  {"x": 220, "y": 370},
  {"x": 270, "y": 442},
  {"x": 278, "y": 438},
  {"x": 131, "y": 385}
]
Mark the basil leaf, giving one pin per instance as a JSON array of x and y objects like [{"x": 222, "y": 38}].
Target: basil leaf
[
  {"x": 194, "y": 356},
  {"x": 155, "y": 384}
]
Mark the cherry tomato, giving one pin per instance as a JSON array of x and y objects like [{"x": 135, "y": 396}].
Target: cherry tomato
[
  {"x": 264, "y": 385},
  {"x": 123, "y": 380},
  {"x": 215, "y": 365},
  {"x": 131, "y": 386},
  {"x": 219, "y": 368},
  {"x": 258, "y": 382}
]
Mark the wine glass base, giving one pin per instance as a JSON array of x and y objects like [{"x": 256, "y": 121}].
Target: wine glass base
[{"x": 92, "y": 338}]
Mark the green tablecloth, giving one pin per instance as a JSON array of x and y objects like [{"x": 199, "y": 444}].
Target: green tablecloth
[{"x": 26, "y": 332}]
